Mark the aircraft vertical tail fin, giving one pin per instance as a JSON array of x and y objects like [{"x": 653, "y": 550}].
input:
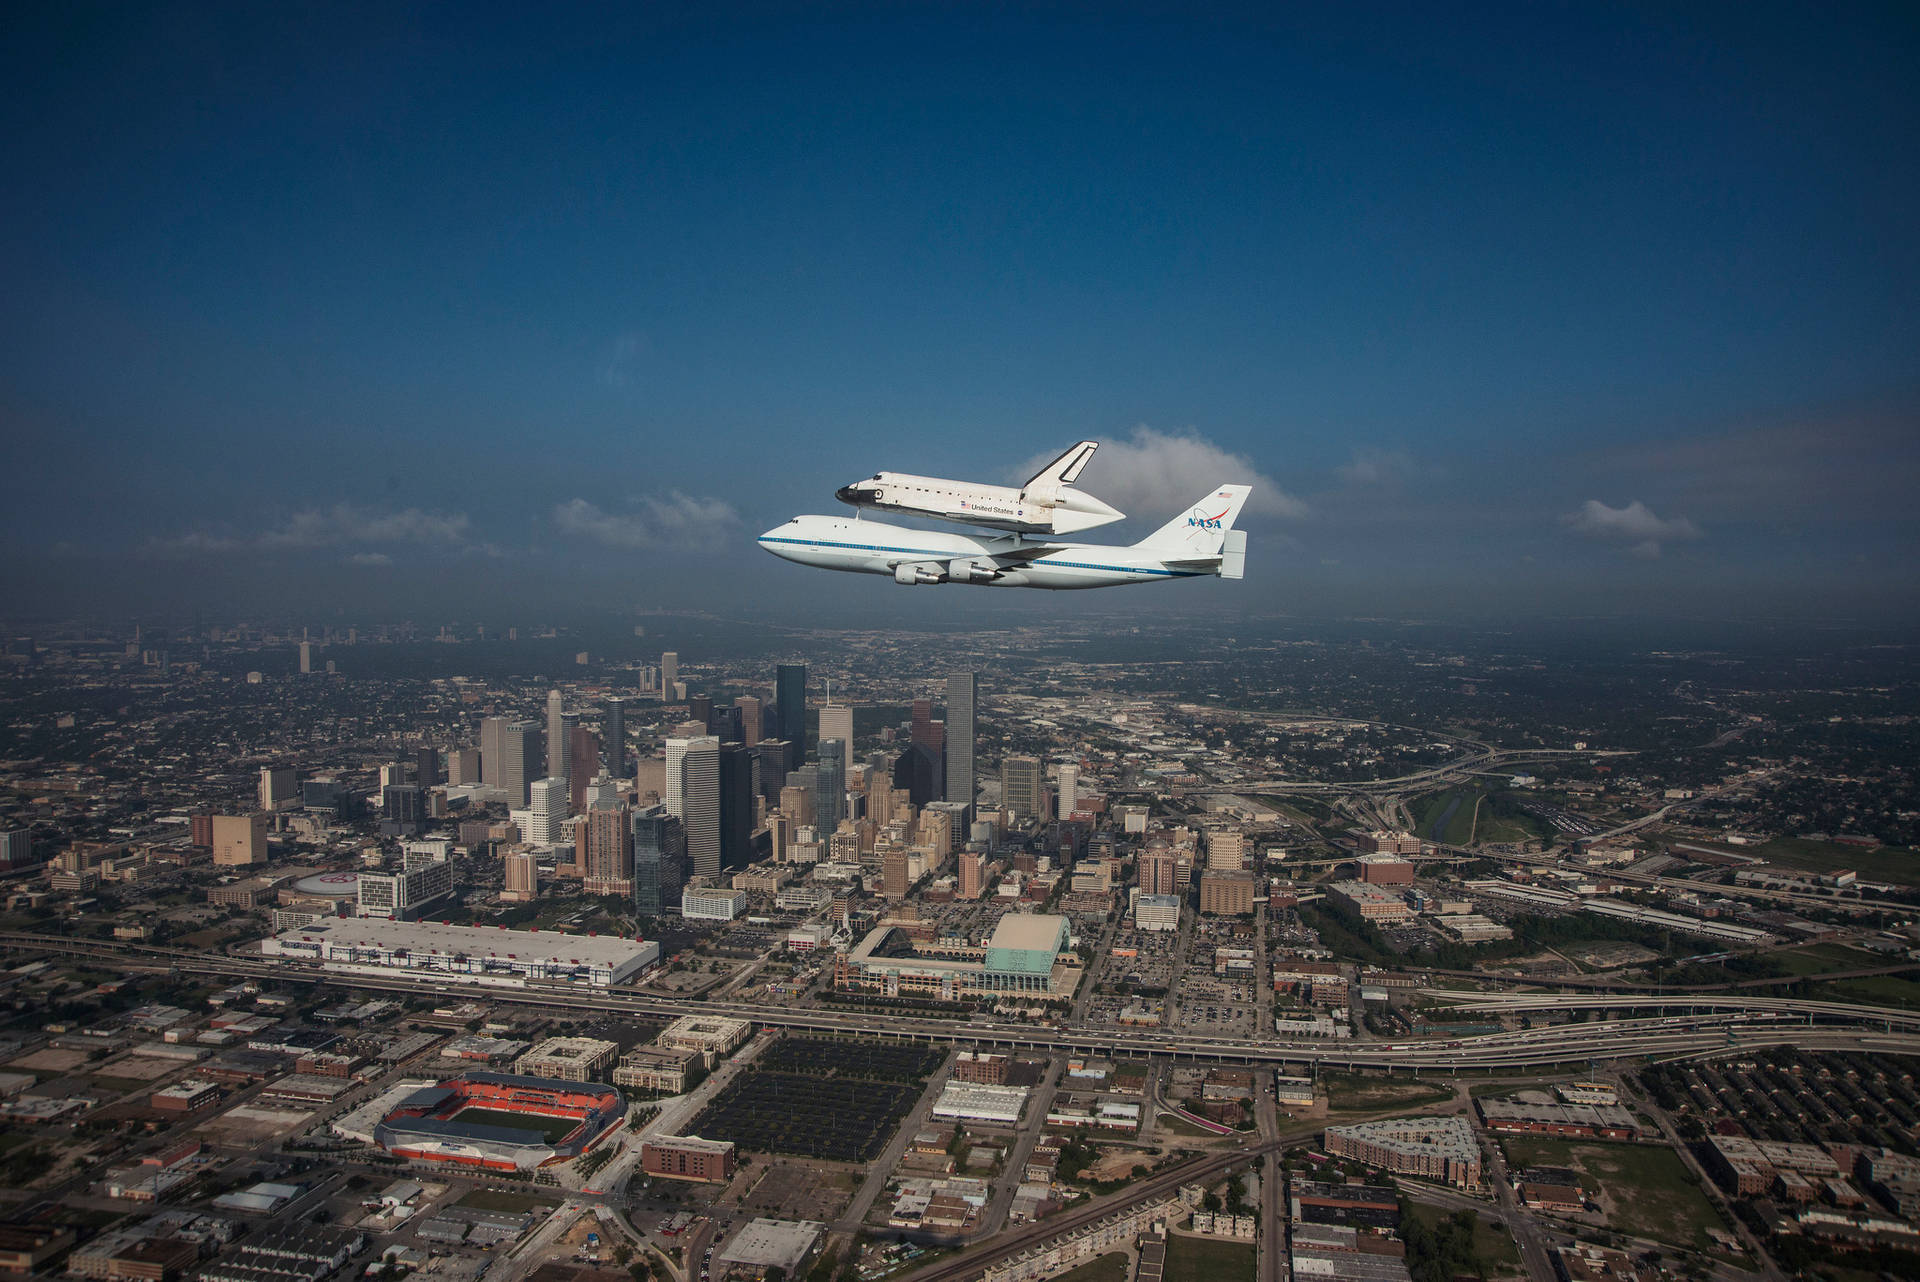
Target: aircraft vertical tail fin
[
  {"x": 1201, "y": 530},
  {"x": 1066, "y": 469}
]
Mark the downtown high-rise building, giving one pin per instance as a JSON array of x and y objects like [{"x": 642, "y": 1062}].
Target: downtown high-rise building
[
  {"x": 836, "y": 722},
  {"x": 700, "y": 805},
  {"x": 736, "y": 805},
  {"x": 675, "y": 795},
  {"x": 669, "y": 676},
  {"x": 509, "y": 757},
  {"x": 559, "y": 743},
  {"x": 830, "y": 787},
  {"x": 973, "y": 874},
  {"x": 522, "y": 877},
  {"x": 613, "y": 740},
  {"x": 659, "y": 847},
  {"x": 609, "y": 864},
  {"x": 546, "y": 811},
  {"x": 1023, "y": 787},
  {"x": 753, "y": 726},
  {"x": 1069, "y": 799},
  {"x": 776, "y": 759},
  {"x": 963, "y": 693},
  {"x": 790, "y": 703}
]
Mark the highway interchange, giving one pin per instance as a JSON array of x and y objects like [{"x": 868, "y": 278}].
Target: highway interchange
[{"x": 1681, "y": 1025}]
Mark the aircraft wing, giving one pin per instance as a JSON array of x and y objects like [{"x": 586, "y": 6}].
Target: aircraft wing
[
  {"x": 1024, "y": 553},
  {"x": 1067, "y": 468}
]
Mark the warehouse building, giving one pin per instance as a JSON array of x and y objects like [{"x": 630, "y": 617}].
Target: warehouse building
[{"x": 469, "y": 954}]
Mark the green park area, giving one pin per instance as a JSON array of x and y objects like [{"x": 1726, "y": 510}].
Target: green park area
[
  {"x": 1489, "y": 1251},
  {"x": 1647, "y": 1190},
  {"x": 1463, "y": 816},
  {"x": 1877, "y": 863},
  {"x": 1106, "y": 1268},
  {"x": 1199, "y": 1259}
]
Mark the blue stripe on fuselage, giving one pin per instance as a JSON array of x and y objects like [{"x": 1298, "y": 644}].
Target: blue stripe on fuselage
[{"x": 1042, "y": 563}]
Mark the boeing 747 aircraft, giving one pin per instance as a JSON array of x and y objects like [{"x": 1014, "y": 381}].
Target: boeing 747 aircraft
[
  {"x": 1200, "y": 542},
  {"x": 1046, "y": 504}
]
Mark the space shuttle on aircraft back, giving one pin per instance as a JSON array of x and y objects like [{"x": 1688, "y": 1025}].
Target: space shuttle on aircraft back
[{"x": 1047, "y": 504}]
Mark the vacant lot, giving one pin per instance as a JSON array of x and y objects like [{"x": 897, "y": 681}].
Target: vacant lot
[
  {"x": 1646, "y": 1189},
  {"x": 1350, "y": 1092},
  {"x": 1196, "y": 1259}
]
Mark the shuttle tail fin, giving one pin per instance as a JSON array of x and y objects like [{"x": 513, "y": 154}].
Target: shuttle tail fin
[
  {"x": 1066, "y": 469},
  {"x": 1201, "y": 530}
]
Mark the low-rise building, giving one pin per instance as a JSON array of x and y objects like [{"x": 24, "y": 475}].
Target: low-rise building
[
  {"x": 569, "y": 1059},
  {"x": 688, "y": 1157},
  {"x": 1436, "y": 1148}
]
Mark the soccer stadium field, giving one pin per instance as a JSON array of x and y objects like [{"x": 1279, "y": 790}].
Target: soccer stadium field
[{"x": 550, "y": 1129}]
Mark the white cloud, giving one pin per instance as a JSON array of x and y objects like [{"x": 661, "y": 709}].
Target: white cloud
[
  {"x": 370, "y": 558},
  {"x": 624, "y": 356},
  {"x": 344, "y": 525},
  {"x": 678, "y": 520},
  {"x": 1635, "y": 525},
  {"x": 1154, "y": 472},
  {"x": 341, "y": 526},
  {"x": 1377, "y": 467}
]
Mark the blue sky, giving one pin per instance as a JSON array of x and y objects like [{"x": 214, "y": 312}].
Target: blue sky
[{"x": 1545, "y": 309}]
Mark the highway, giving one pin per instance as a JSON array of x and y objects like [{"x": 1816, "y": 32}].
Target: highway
[{"x": 1712, "y": 1022}]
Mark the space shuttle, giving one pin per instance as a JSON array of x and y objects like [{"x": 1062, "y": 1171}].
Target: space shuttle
[{"x": 1047, "y": 504}]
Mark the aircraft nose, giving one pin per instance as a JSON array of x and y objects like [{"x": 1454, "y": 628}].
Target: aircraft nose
[{"x": 848, "y": 494}]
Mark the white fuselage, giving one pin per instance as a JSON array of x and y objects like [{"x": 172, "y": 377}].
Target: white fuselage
[
  {"x": 874, "y": 547},
  {"x": 1037, "y": 508}
]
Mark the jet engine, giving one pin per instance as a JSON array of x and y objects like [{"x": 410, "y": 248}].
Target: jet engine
[
  {"x": 970, "y": 571},
  {"x": 908, "y": 572}
]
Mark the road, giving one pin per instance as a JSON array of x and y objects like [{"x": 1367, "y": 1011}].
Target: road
[
  {"x": 1274, "y": 1265},
  {"x": 881, "y": 1168},
  {"x": 1713, "y": 1022}
]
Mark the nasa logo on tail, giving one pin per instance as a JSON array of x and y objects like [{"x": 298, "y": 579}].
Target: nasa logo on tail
[{"x": 1199, "y": 520}]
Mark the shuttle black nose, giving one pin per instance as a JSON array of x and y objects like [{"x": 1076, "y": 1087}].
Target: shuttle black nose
[{"x": 848, "y": 494}]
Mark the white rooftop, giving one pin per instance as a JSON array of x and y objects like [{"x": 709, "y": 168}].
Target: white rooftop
[{"x": 472, "y": 941}]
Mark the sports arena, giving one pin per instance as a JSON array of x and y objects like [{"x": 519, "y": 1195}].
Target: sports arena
[{"x": 501, "y": 1122}]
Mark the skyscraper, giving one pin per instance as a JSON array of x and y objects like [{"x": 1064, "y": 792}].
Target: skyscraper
[
  {"x": 519, "y": 760},
  {"x": 830, "y": 787},
  {"x": 836, "y": 722},
  {"x": 917, "y": 770},
  {"x": 609, "y": 869},
  {"x": 558, "y": 747},
  {"x": 774, "y": 765},
  {"x": 736, "y": 805},
  {"x": 963, "y": 693},
  {"x": 1023, "y": 787},
  {"x": 614, "y": 740},
  {"x": 306, "y": 656},
  {"x": 700, "y": 805},
  {"x": 752, "y": 720},
  {"x": 675, "y": 797},
  {"x": 546, "y": 812},
  {"x": 973, "y": 874},
  {"x": 1069, "y": 789},
  {"x": 583, "y": 760},
  {"x": 669, "y": 674},
  {"x": 659, "y": 844},
  {"x": 790, "y": 701}
]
